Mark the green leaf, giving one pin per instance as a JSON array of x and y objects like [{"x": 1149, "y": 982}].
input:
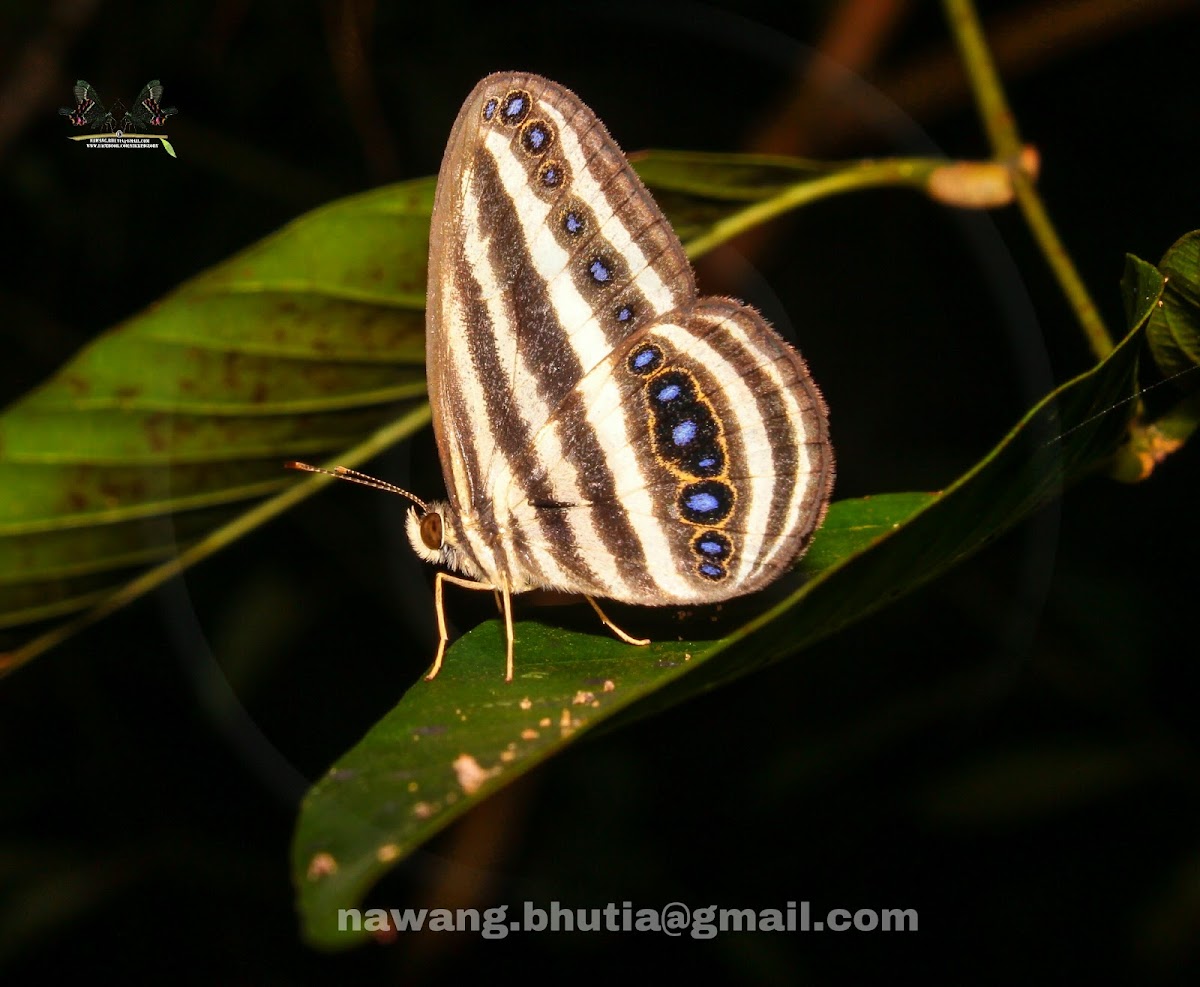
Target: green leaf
[
  {"x": 453, "y": 741},
  {"x": 148, "y": 447},
  {"x": 167, "y": 147},
  {"x": 1173, "y": 334},
  {"x": 1174, "y": 328}
]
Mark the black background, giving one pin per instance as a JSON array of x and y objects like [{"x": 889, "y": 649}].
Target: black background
[{"x": 144, "y": 820}]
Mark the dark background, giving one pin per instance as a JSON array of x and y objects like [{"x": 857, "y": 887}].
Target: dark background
[{"x": 1012, "y": 751}]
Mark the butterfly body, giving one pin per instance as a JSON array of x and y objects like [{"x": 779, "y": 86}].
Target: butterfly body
[{"x": 602, "y": 429}]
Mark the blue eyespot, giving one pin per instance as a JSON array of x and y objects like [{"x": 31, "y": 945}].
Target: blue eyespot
[
  {"x": 706, "y": 502},
  {"x": 489, "y": 109},
  {"x": 668, "y": 393},
  {"x": 536, "y": 137},
  {"x": 600, "y": 271},
  {"x": 703, "y": 461},
  {"x": 712, "y": 544},
  {"x": 711, "y": 570},
  {"x": 573, "y": 223},
  {"x": 515, "y": 107},
  {"x": 683, "y": 433},
  {"x": 551, "y": 174},
  {"x": 624, "y": 313},
  {"x": 645, "y": 359}
]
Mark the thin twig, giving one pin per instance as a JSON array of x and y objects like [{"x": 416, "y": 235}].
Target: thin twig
[{"x": 1006, "y": 143}]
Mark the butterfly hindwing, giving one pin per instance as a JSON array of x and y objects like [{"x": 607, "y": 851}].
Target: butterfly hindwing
[{"x": 714, "y": 466}]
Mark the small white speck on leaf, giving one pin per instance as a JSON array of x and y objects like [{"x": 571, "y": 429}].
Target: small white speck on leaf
[
  {"x": 321, "y": 865},
  {"x": 470, "y": 774}
]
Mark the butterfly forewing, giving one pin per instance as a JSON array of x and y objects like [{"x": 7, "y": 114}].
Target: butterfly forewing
[
  {"x": 546, "y": 251},
  {"x": 601, "y": 430}
]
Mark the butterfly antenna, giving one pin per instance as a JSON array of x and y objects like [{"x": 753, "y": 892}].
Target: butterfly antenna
[{"x": 354, "y": 476}]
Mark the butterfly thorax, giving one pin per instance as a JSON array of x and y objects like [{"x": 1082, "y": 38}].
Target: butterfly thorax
[
  {"x": 439, "y": 536},
  {"x": 476, "y": 544}
]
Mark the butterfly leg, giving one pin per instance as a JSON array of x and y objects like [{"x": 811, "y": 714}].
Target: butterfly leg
[
  {"x": 627, "y": 638},
  {"x": 444, "y": 634},
  {"x": 508, "y": 632}
]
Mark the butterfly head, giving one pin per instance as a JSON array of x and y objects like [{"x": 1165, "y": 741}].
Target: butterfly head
[
  {"x": 433, "y": 537},
  {"x": 431, "y": 527},
  {"x": 427, "y": 531}
]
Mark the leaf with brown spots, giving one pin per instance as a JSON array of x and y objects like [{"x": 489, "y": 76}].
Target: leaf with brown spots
[{"x": 166, "y": 437}]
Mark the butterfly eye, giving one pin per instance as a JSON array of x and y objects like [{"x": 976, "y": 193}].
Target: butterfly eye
[{"x": 431, "y": 531}]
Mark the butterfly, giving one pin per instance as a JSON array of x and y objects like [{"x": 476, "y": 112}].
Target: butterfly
[
  {"x": 88, "y": 111},
  {"x": 146, "y": 111},
  {"x": 602, "y": 429}
]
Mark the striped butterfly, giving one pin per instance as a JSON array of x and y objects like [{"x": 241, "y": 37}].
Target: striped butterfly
[{"x": 602, "y": 430}]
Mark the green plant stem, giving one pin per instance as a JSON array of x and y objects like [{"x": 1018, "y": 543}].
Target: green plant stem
[
  {"x": 1040, "y": 225},
  {"x": 1002, "y": 133},
  {"x": 998, "y": 119},
  {"x": 912, "y": 172}
]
